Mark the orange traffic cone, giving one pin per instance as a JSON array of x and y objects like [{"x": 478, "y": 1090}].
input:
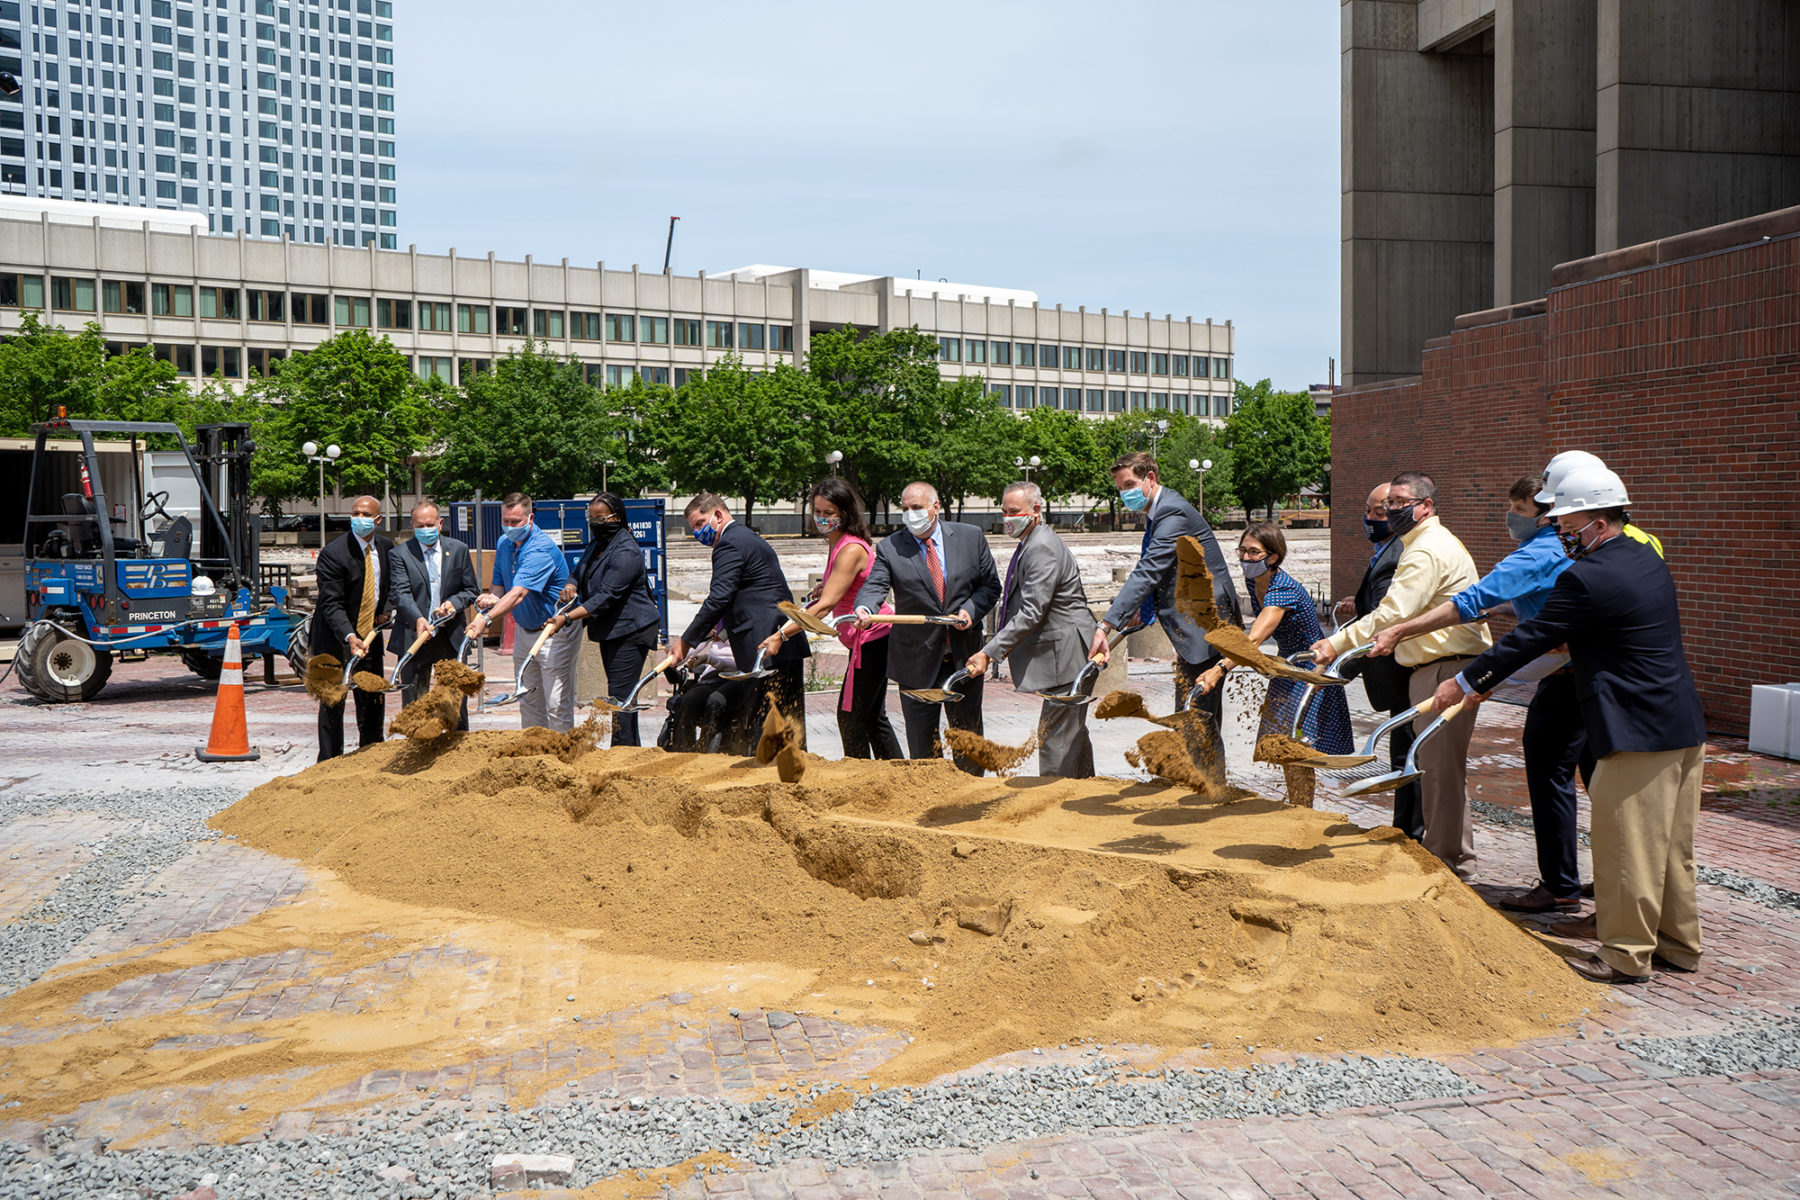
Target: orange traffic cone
[{"x": 229, "y": 740}]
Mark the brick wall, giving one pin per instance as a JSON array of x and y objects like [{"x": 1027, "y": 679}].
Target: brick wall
[{"x": 1678, "y": 362}]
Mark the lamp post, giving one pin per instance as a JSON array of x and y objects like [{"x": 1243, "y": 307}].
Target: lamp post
[
  {"x": 1157, "y": 431},
  {"x": 605, "y": 466},
  {"x": 311, "y": 451},
  {"x": 1028, "y": 465},
  {"x": 1200, "y": 466},
  {"x": 833, "y": 459}
]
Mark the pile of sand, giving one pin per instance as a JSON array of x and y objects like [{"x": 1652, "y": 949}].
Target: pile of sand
[{"x": 981, "y": 915}]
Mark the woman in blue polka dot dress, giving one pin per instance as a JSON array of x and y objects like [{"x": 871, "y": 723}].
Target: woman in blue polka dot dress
[{"x": 1281, "y": 609}]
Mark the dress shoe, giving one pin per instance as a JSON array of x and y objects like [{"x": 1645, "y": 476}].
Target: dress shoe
[
  {"x": 1601, "y": 971},
  {"x": 1539, "y": 899},
  {"x": 1660, "y": 961},
  {"x": 1580, "y": 927},
  {"x": 1587, "y": 889}
]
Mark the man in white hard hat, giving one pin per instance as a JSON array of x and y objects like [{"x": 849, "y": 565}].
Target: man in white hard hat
[
  {"x": 1567, "y": 461},
  {"x": 1616, "y": 610}
]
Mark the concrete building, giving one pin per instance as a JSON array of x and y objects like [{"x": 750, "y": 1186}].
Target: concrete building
[
  {"x": 273, "y": 118},
  {"x": 213, "y": 304},
  {"x": 1486, "y": 141}
]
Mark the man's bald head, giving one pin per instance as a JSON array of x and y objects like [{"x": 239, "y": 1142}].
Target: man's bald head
[
  {"x": 366, "y": 506},
  {"x": 918, "y": 494},
  {"x": 1376, "y": 508}
]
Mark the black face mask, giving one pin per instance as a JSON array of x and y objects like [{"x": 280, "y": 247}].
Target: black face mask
[
  {"x": 1401, "y": 521},
  {"x": 604, "y": 531},
  {"x": 1377, "y": 530}
]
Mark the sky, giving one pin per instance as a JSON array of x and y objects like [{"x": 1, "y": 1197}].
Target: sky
[{"x": 1172, "y": 157}]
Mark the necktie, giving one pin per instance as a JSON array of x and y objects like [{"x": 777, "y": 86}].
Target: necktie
[
  {"x": 1147, "y": 612},
  {"x": 433, "y": 572},
  {"x": 365, "y": 611},
  {"x": 937, "y": 570},
  {"x": 1012, "y": 571}
]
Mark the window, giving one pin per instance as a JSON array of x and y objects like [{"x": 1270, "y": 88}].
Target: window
[
  {"x": 654, "y": 330},
  {"x": 1027, "y": 397},
  {"x": 1115, "y": 401},
  {"x": 1115, "y": 361},
  {"x": 1048, "y": 357},
  {"x": 72, "y": 295},
  {"x": 310, "y": 308},
  {"x": 510, "y": 322},
  {"x": 465, "y": 367},
  {"x": 1160, "y": 401},
  {"x": 436, "y": 366},
  {"x": 1001, "y": 354},
  {"x": 1222, "y": 406},
  {"x": 1179, "y": 403},
  {"x": 687, "y": 331},
  {"x": 263, "y": 361},
  {"x": 173, "y": 300},
  {"x": 181, "y": 356},
  {"x": 1221, "y": 368},
  {"x": 1096, "y": 359},
  {"x": 1159, "y": 364},
  {"x": 1001, "y": 393},
  {"x": 266, "y": 306},
  {"x": 471, "y": 318},
  {"x": 222, "y": 360},
  {"x": 621, "y": 327},
  {"x": 352, "y": 311},
  {"x": 434, "y": 316},
  {"x": 585, "y": 326},
  {"x": 1026, "y": 353},
  {"x": 546, "y": 323},
  {"x": 1180, "y": 363},
  {"x": 976, "y": 350},
  {"x": 781, "y": 337},
  {"x": 1140, "y": 401},
  {"x": 718, "y": 335},
  {"x": 121, "y": 296},
  {"x": 750, "y": 337},
  {"x": 395, "y": 314},
  {"x": 654, "y": 375},
  {"x": 950, "y": 349},
  {"x": 1072, "y": 399},
  {"x": 620, "y": 376},
  {"x": 220, "y": 304},
  {"x": 1096, "y": 400}
]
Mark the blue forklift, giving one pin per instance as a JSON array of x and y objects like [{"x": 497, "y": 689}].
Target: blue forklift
[{"x": 94, "y": 592}]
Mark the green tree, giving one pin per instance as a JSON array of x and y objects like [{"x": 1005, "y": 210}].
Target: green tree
[
  {"x": 533, "y": 424},
  {"x": 971, "y": 449},
  {"x": 1193, "y": 440},
  {"x": 45, "y": 367},
  {"x": 632, "y": 417},
  {"x": 881, "y": 402},
  {"x": 1068, "y": 453},
  {"x": 353, "y": 390},
  {"x": 1278, "y": 445},
  {"x": 739, "y": 433}
]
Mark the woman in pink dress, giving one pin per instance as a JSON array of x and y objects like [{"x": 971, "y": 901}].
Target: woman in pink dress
[{"x": 863, "y": 722}]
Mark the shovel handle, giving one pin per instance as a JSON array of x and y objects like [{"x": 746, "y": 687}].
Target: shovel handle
[
  {"x": 1112, "y": 643},
  {"x": 542, "y": 637},
  {"x": 419, "y": 641},
  {"x": 1450, "y": 713},
  {"x": 898, "y": 619},
  {"x": 667, "y": 662}
]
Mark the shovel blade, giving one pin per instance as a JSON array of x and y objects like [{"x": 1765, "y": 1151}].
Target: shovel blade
[
  {"x": 1065, "y": 699},
  {"x": 1393, "y": 781},
  {"x": 934, "y": 696}
]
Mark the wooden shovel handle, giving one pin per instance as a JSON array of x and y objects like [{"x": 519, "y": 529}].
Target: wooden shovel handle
[
  {"x": 897, "y": 619},
  {"x": 1450, "y": 713},
  {"x": 542, "y": 637},
  {"x": 660, "y": 667},
  {"x": 420, "y": 641}
]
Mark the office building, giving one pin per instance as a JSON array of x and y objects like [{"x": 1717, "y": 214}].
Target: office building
[
  {"x": 274, "y": 119},
  {"x": 213, "y": 304}
]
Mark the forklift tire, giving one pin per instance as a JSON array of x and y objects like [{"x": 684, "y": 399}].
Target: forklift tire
[
  {"x": 201, "y": 663},
  {"x": 58, "y": 669},
  {"x": 299, "y": 644}
]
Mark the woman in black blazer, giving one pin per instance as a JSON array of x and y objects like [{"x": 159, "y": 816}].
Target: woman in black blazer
[{"x": 616, "y": 603}]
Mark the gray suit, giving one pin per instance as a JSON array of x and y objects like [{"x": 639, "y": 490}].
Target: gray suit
[
  {"x": 409, "y": 594},
  {"x": 923, "y": 656},
  {"x": 1046, "y": 628}
]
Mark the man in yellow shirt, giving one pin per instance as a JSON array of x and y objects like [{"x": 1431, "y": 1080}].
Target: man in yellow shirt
[{"x": 1433, "y": 567}]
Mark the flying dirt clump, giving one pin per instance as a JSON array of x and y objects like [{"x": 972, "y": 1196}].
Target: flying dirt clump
[
  {"x": 779, "y": 746},
  {"x": 1236, "y": 645},
  {"x": 565, "y": 747},
  {"x": 1194, "y": 584},
  {"x": 437, "y": 712},
  {"x": 325, "y": 680},
  {"x": 990, "y": 756}
]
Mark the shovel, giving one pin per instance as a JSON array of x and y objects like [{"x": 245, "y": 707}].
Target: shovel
[
  {"x": 757, "y": 669},
  {"x": 519, "y": 688},
  {"x": 350, "y": 662},
  {"x": 1334, "y": 673},
  {"x": 1089, "y": 672},
  {"x": 940, "y": 695},
  {"x": 1409, "y": 770},
  {"x": 418, "y": 643},
  {"x": 629, "y": 703}
]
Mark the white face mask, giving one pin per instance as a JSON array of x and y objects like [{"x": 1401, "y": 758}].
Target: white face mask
[
  {"x": 918, "y": 520},
  {"x": 1017, "y": 525}
]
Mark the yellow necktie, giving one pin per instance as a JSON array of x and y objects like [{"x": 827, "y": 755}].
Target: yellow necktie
[{"x": 365, "y": 612}]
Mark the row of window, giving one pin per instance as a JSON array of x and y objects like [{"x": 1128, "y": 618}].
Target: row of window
[
  {"x": 1099, "y": 400},
  {"x": 1077, "y": 358}
]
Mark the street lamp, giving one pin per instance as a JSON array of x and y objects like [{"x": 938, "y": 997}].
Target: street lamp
[
  {"x": 311, "y": 451},
  {"x": 833, "y": 459},
  {"x": 1028, "y": 465},
  {"x": 605, "y": 465},
  {"x": 1200, "y": 466},
  {"x": 1157, "y": 431}
]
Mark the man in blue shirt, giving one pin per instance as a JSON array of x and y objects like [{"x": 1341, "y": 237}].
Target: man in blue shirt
[
  {"x": 529, "y": 573},
  {"x": 1553, "y": 740}
]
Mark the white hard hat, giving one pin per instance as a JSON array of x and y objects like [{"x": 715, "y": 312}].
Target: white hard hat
[
  {"x": 1587, "y": 487},
  {"x": 1561, "y": 465}
]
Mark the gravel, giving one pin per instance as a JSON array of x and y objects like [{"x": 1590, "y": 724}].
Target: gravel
[
  {"x": 449, "y": 1146},
  {"x": 1768, "y": 1046},
  {"x": 154, "y": 831}
]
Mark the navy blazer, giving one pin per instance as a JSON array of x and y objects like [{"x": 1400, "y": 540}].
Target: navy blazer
[
  {"x": 1616, "y": 610},
  {"x": 747, "y": 584},
  {"x": 1154, "y": 576},
  {"x": 409, "y": 587},
  {"x": 615, "y": 589},
  {"x": 970, "y": 582}
]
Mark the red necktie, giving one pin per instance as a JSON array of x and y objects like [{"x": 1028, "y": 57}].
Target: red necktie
[{"x": 937, "y": 570}]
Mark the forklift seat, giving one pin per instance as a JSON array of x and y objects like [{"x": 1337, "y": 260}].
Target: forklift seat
[{"x": 84, "y": 536}]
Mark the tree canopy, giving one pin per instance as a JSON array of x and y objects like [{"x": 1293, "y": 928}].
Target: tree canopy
[{"x": 1278, "y": 445}]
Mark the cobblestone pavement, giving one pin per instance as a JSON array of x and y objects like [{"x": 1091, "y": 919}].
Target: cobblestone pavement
[{"x": 1576, "y": 1115}]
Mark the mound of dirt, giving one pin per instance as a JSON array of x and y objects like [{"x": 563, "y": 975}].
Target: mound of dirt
[
  {"x": 990, "y": 756},
  {"x": 1050, "y": 909}
]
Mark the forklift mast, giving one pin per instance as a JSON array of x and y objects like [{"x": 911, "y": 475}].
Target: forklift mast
[{"x": 223, "y": 452}]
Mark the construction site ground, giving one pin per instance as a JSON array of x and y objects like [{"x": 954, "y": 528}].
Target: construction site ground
[{"x": 1686, "y": 1085}]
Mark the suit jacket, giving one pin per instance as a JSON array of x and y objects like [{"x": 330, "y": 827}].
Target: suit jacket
[
  {"x": 1046, "y": 624},
  {"x": 970, "y": 582},
  {"x": 615, "y": 589},
  {"x": 1616, "y": 609},
  {"x": 409, "y": 587},
  {"x": 340, "y": 576},
  {"x": 747, "y": 584},
  {"x": 1383, "y": 678},
  {"x": 1154, "y": 576}
]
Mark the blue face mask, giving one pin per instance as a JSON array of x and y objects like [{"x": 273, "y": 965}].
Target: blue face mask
[
  {"x": 362, "y": 527},
  {"x": 426, "y": 536},
  {"x": 706, "y": 535},
  {"x": 1134, "y": 499},
  {"x": 515, "y": 533}
]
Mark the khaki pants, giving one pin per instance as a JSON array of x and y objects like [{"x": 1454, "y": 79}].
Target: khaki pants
[
  {"x": 1443, "y": 763},
  {"x": 1645, "y": 807}
]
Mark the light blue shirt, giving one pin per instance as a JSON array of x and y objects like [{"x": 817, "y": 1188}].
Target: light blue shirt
[
  {"x": 537, "y": 565},
  {"x": 1523, "y": 578}
]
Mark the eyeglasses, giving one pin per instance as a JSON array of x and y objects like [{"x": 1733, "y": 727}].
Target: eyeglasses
[
  {"x": 1402, "y": 504},
  {"x": 1252, "y": 555}
]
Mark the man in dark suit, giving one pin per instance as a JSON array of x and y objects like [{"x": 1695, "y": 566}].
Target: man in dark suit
[
  {"x": 747, "y": 584},
  {"x": 433, "y": 577},
  {"x": 937, "y": 568},
  {"x": 352, "y": 602},
  {"x": 1149, "y": 591},
  {"x": 1615, "y": 608}
]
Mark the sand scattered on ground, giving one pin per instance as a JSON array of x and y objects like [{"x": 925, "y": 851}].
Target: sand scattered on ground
[
  {"x": 325, "y": 679},
  {"x": 990, "y": 756}
]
